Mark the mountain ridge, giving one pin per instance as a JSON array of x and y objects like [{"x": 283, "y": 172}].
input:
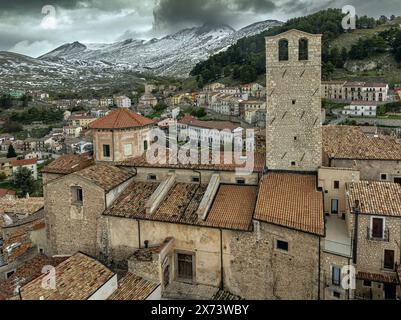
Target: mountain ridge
[{"x": 172, "y": 55}]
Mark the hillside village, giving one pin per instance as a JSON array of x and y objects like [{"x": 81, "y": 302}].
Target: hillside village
[{"x": 322, "y": 197}]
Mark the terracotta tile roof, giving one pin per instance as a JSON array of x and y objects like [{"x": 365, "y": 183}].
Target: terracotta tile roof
[
  {"x": 182, "y": 202},
  {"x": 131, "y": 287},
  {"x": 381, "y": 198},
  {"x": 68, "y": 163},
  {"x": 233, "y": 207},
  {"x": 259, "y": 163},
  {"x": 291, "y": 200},
  {"x": 77, "y": 278},
  {"x": 122, "y": 118},
  {"x": 105, "y": 176},
  {"x": 23, "y": 162},
  {"x": 219, "y": 125},
  {"x": 223, "y": 295},
  {"x": 27, "y": 272},
  {"x": 348, "y": 142},
  {"x": 377, "y": 277},
  {"x": 6, "y": 192},
  {"x": 334, "y": 82}
]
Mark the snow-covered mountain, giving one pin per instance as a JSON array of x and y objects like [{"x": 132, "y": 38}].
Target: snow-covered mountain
[
  {"x": 173, "y": 55},
  {"x": 23, "y": 72}
]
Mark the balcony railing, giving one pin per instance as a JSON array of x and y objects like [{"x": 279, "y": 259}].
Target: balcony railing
[{"x": 384, "y": 237}]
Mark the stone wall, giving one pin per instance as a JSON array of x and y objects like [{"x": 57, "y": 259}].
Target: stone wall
[
  {"x": 326, "y": 178},
  {"x": 72, "y": 228},
  {"x": 328, "y": 289},
  {"x": 293, "y": 117},
  {"x": 370, "y": 255},
  {"x": 204, "y": 243},
  {"x": 124, "y": 144},
  {"x": 255, "y": 269},
  {"x": 371, "y": 170},
  {"x": 187, "y": 175}
]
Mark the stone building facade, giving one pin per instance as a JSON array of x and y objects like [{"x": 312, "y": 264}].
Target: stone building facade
[{"x": 293, "y": 113}]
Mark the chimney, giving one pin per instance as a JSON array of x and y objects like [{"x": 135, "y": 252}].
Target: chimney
[
  {"x": 160, "y": 194},
  {"x": 208, "y": 197}
]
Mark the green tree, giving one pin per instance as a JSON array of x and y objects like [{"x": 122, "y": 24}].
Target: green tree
[
  {"x": 12, "y": 126},
  {"x": 23, "y": 180},
  {"x": 11, "y": 152}
]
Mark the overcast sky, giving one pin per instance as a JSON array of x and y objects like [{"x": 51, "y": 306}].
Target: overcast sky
[{"x": 34, "y": 27}]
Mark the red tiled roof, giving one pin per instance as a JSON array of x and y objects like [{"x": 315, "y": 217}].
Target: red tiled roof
[
  {"x": 105, "y": 176},
  {"x": 219, "y": 125},
  {"x": 348, "y": 142},
  {"x": 377, "y": 277},
  {"x": 131, "y": 287},
  {"x": 28, "y": 271},
  {"x": 291, "y": 200},
  {"x": 77, "y": 278},
  {"x": 376, "y": 197},
  {"x": 122, "y": 118},
  {"x": 23, "y": 162},
  {"x": 68, "y": 163},
  {"x": 5, "y": 192},
  {"x": 232, "y": 208}
]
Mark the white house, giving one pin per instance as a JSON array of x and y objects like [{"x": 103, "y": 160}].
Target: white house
[
  {"x": 361, "y": 109},
  {"x": 30, "y": 164},
  {"x": 123, "y": 102}
]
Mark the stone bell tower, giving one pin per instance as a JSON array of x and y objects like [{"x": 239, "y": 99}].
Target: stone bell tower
[{"x": 293, "y": 123}]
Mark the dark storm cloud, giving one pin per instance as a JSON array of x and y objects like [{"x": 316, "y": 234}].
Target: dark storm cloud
[
  {"x": 23, "y": 28},
  {"x": 176, "y": 13}
]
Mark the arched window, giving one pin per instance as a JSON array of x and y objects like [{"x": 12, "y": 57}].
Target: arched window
[
  {"x": 283, "y": 50},
  {"x": 303, "y": 49}
]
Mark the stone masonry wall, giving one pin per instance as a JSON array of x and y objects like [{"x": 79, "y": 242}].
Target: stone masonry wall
[
  {"x": 71, "y": 228},
  {"x": 293, "y": 117},
  {"x": 255, "y": 269}
]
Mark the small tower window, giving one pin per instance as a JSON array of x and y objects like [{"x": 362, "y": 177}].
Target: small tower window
[
  {"x": 145, "y": 145},
  {"x": 303, "y": 49},
  {"x": 106, "y": 150},
  {"x": 283, "y": 50},
  {"x": 294, "y": 101}
]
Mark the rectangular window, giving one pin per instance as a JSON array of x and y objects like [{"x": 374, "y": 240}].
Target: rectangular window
[
  {"x": 106, "y": 151},
  {"x": 152, "y": 177},
  {"x": 377, "y": 227},
  {"x": 336, "y": 184},
  {"x": 240, "y": 181},
  {"x": 336, "y": 294},
  {"x": 185, "y": 267},
  {"x": 334, "y": 206},
  {"x": 367, "y": 283},
  {"x": 383, "y": 176},
  {"x": 389, "y": 259},
  {"x": 195, "y": 179},
  {"x": 335, "y": 275},
  {"x": 77, "y": 195},
  {"x": 282, "y": 245},
  {"x": 128, "y": 149}
]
